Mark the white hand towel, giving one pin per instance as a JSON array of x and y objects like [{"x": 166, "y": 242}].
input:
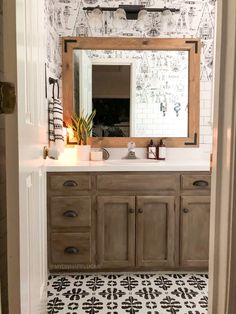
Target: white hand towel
[{"x": 56, "y": 124}]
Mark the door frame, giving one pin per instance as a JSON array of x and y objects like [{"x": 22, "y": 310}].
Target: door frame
[
  {"x": 222, "y": 275},
  {"x": 223, "y": 223},
  {"x": 11, "y": 166}
]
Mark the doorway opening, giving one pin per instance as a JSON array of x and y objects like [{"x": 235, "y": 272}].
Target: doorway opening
[{"x": 111, "y": 100}]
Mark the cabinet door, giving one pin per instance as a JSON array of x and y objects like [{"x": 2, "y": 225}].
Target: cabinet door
[
  {"x": 194, "y": 231},
  {"x": 116, "y": 231},
  {"x": 155, "y": 230}
]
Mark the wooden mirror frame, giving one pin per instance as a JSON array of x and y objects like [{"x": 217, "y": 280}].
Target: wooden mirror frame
[{"x": 69, "y": 44}]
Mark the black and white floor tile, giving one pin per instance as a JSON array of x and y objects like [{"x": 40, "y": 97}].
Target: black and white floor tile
[{"x": 142, "y": 293}]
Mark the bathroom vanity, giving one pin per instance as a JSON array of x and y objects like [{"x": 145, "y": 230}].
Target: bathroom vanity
[
  {"x": 139, "y": 215},
  {"x": 128, "y": 220}
]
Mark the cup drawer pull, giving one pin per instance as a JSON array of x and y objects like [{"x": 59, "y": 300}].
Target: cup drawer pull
[
  {"x": 71, "y": 250},
  {"x": 70, "y": 183},
  {"x": 70, "y": 214},
  {"x": 200, "y": 183}
]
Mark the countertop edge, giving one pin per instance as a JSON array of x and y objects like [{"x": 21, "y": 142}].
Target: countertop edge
[{"x": 164, "y": 167}]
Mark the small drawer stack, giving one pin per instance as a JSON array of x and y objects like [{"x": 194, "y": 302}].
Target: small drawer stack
[{"x": 70, "y": 233}]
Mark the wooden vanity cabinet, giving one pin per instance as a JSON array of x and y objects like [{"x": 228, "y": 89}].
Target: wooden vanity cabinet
[
  {"x": 135, "y": 231},
  {"x": 140, "y": 232},
  {"x": 128, "y": 221},
  {"x": 155, "y": 231},
  {"x": 115, "y": 231},
  {"x": 195, "y": 221},
  {"x": 71, "y": 222}
]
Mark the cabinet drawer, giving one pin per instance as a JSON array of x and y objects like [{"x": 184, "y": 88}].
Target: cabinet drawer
[
  {"x": 196, "y": 182},
  {"x": 67, "y": 212},
  {"x": 69, "y": 182},
  {"x": 140, "y": 182},
  {"x": 71, "y": 248}
]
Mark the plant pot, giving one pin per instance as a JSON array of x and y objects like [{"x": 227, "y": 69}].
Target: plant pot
[{"x": 83, "y": 152}]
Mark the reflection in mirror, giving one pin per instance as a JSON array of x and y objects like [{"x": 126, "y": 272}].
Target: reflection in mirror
[
  {"x": 135, "y": 93},
  {"x": 111, "y": 99},
  {"x": 107, "y": 90}
]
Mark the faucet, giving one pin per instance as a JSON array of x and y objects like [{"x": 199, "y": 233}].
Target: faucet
[{"x": 131, "y": 151}]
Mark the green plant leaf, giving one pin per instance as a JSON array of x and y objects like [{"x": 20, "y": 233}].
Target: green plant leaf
[{"x": 83, "y": 126}]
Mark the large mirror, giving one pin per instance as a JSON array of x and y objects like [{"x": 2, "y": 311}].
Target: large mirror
[{"x": 140, "y": 88}]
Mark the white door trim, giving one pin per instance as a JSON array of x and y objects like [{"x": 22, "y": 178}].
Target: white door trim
[{"x": 222, "y": 234}]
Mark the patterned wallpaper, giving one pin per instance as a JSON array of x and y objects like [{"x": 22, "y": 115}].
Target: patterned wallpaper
[{"x": 196, "y": 19}]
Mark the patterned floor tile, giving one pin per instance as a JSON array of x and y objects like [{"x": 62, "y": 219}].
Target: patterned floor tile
[{"x": 141, "y": 293}]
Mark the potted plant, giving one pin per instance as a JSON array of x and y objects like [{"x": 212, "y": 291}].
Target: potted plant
[{"x": 82, "y": 127}]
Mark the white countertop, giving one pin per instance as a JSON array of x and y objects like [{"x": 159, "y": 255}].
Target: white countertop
[
  {"x": 103, "y": 166},
  {"x": 176, "y": 161}
]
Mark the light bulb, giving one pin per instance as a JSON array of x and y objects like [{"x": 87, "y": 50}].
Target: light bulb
[
  {"x": 143, "y": 22},
  {"x": 95, "y": 19},
  {"x": 120, "y": 19}
]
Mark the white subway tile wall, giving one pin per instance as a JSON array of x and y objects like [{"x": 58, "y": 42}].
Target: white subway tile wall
[{"x": 195, "y": 20}]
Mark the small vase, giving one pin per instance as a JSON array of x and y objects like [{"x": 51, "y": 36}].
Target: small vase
[{"x": 83, "y": 152}]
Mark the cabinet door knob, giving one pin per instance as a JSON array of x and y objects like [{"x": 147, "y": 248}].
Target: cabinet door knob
[
  {"x": 200, "y": 183},
  {"x": 140, "y": 210},
  {"x": 70, "y": 183},
  {"x": 70, "y": 214},
  {"x": 131, "y": 210},
  {"x": 185, "y": 210},
  {"x": 71, "y": 250}
]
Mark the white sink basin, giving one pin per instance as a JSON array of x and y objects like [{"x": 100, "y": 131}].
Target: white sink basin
[{"x": 131, "y": 161}]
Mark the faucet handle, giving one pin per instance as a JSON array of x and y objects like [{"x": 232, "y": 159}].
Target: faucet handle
[
  {"x": 105, "y": 153},
  {"x": 131, "y": 147}
]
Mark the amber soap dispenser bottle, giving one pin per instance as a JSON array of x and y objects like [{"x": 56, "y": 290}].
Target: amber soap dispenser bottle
[
  {"x": 151, "y": 151},
  {"x": 161, "y": 150}
]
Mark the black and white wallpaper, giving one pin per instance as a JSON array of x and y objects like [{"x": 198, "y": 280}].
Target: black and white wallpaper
[{"x": 196, "y": 19}]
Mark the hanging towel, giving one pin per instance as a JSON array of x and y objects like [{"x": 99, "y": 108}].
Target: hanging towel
[
  {"x": 56, "y": 137},
  {"x": 50, "y": 123}
]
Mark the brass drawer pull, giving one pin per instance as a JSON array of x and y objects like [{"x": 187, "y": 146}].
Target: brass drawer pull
[
  {"x": 140, "y": 210},
  {"x": 132, "y": 211},
  {"x": 70, "y": 214},
  {"x": 200, "y": 183},
  {"x": 70, "y": 183},
  {"x": 185, "y": 210},
  {"x": 71, "y": 250}
]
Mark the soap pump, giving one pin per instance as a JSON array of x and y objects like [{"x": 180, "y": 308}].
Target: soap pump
[
  {"x": 161, "y": 150},
  {"x": 151, "y": 151}
]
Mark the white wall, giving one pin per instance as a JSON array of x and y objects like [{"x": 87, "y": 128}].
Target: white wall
[{"x": 196, "y": 19}]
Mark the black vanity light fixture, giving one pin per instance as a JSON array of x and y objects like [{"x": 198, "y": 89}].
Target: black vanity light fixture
[{"x": 132, "y": 11}]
